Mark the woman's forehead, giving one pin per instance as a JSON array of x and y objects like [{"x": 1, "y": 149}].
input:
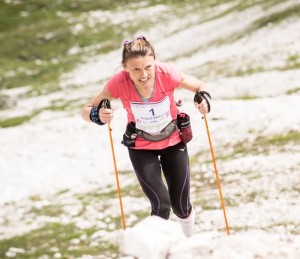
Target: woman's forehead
[{"x": 140, "y": 61}]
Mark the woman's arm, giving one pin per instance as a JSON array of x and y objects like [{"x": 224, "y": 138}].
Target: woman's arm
[
  {"x": 192, "y": 83},
  {"x": 195, "y": 85}
]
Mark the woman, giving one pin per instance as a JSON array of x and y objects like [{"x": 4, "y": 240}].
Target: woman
[{"x": 156, "y": 133}]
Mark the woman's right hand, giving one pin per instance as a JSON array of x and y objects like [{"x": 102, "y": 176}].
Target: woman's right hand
[
  {"x": 102, "y": 103},
  {"x": 106, "y": 114}
]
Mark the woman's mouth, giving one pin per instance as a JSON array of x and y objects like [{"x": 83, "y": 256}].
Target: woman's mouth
[{"x": 143, "y": 80}]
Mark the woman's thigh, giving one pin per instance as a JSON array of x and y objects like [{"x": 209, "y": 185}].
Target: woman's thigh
[
  {"x": 147, "y": 167},
  {"x": 175, "y": 165}
]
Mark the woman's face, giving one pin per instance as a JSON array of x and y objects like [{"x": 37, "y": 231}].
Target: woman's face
[{"x": 141, "y": 71}]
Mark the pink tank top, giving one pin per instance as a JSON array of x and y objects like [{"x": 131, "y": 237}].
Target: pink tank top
[{"x": 167, "y": 78}]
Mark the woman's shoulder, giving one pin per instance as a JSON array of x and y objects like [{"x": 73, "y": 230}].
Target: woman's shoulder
[
  {"x": 164, "y": 67},
  {"x": 119, "y": 77},
  {"x": 122, "y": 74},
  {"x": 168, "y": 74}
]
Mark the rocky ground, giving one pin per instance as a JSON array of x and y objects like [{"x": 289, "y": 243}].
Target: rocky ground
[{"x": 58, "y": 191}]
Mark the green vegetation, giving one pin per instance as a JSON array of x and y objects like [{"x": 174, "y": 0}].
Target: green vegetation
[
  {"x": 44, "y": 39},
  {"x": 58, "y": 231},
  {"x": 261, "y": 145},
  {"x": 293, "y": 91},
  {"x": 249, "y": 71},
  {"x": 16, "y": 121},
  {"x": 63, "y": 236},
  {"x": 36, "y": 43},
  {"x": 48, "y": 210},
  {"x": 224, "y": 68},
  {"x": 57, "y": 238},
  {"x": 293, "y": 62},
  {"x": 247, "y": 97},
  {"x": 55, "y": 106},
  {"x": 291, "y": 136},
  {"x": 264, "y": 144},
  {"x": 277, "y": 17}
]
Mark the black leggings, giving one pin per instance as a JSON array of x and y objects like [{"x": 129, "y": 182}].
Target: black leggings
[{"x": 174, "y": 163}]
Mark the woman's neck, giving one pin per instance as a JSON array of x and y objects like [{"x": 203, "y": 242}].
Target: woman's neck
[{"x": 145, "y": 92}]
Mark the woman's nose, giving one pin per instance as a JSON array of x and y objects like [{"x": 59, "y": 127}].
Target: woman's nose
[{"x": 144, "y": 72}]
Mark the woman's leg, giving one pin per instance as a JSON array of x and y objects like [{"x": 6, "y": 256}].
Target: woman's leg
[
  {"x": 147, "y": 167},
  {"x": 175, "y": 165}
]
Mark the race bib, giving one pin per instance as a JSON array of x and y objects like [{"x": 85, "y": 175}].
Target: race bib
[{"x": 152, "y": 117}]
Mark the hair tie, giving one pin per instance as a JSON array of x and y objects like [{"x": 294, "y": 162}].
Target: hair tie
[
  {"x": 141, "y": 38},
  {"x": 126, "y": 42}
]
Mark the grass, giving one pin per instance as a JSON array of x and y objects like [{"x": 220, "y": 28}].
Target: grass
[
  {"x": 46, "y": 28},
  {"x": 36, "y": 40},
  {"x": 58, "y": 105},
  {"x": 264, "y": 144},
  {"x": 248, "y": 71},
  {"x": 37, "y": 37},
  {"x": 52, "y": 210},
  {"x": 246, "y": 97},
  {"x": 16, "y": 121},
  {"x": 277, "y": 17},
  {"x": 49, "y": 30},
  {"x": 58, "y": 234},
  {"x": 291, "y": 136},
  {"x": 56, "y": 238},
  {"x": 222, "y": 68}
]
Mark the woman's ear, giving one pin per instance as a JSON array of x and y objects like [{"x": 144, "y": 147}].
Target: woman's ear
[{"x": 125, "y": 68}]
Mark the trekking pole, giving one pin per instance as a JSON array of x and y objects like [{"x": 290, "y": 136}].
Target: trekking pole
[
  {"x": 216, "y": 172},
  {"x": 107, "y": 105},
  {"x": 199, "y": 96}
]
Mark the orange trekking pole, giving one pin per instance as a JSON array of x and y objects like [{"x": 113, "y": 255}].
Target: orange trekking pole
[
  {"x": 198, "y": 98},
  {"x": 217, "y": 175},
  {"x": 107, "y": 105}
]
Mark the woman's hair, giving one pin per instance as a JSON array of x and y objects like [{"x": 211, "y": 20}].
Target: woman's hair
[{"x": 135, "y": 48}]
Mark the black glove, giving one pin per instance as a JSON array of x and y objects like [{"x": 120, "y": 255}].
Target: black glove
[
  {"x": 199, "y": 96},
  {"x": 129, "y": 136},
  {"x": 94, "y": 114}
]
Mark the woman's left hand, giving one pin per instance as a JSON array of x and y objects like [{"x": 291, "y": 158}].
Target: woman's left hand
[{"x": 202, "y": 107}]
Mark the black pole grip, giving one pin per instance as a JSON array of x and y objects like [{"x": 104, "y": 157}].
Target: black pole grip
[
  {"x": 106, "y": 104},
  {"x": 198, "y": 97}
]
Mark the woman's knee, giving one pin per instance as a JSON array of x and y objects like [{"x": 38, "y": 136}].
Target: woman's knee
[
  {"x": 165, "y": 211},
  {"x": 182, "y": 212},
  {"x": 162, "y": 211}
]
